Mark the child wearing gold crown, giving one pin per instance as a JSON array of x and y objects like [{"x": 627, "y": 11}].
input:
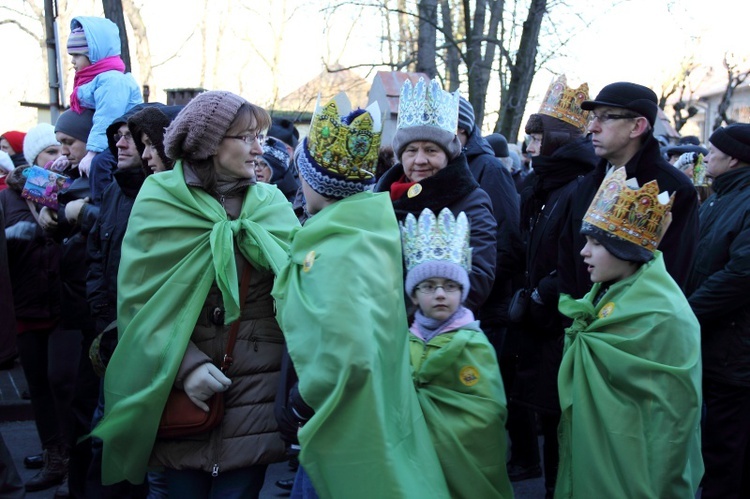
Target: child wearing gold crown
[
  {"x": 630, "y": 378},
  {"x": 454, "y": 366},
  {"x": 340, "y": 304}
]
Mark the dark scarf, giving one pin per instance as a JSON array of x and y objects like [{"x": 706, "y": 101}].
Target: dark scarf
[
  {"x": 552, "y": 172},
  {"x": 445, "y": 188}
]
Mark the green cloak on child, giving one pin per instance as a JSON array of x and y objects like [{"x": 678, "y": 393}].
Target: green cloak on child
[
  {"x": 630, "y": 391},
  {"x": 341, "y": 307}
]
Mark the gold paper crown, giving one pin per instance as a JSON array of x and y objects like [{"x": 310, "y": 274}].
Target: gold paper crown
[
  {"x": 426, "y": 104},
  {"x": 564, "y": 103},
  {"x": 636, "y": 215},
  {"x": 343, "y": 147}
]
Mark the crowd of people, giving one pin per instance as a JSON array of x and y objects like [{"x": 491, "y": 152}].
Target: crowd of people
[{"x": 401, "y": 319}]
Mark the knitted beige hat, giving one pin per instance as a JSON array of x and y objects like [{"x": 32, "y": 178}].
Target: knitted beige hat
[{"x": 196, "y": 132}]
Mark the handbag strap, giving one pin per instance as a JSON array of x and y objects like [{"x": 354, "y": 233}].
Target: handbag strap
[{"x": 244, "y": 285}]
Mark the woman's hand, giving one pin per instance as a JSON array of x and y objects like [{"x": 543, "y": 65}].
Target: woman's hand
[
  {"x": 48, "y": 219},
  {"x": 203, "y": 382}
]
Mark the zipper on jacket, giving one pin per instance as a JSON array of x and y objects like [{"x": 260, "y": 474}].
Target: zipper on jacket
[{"x": 215, "y": 470}]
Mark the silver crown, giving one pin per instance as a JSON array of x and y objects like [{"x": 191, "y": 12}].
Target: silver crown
[
  {"x": 426, "y": 104},
  {"x": 441, "y": 238}
]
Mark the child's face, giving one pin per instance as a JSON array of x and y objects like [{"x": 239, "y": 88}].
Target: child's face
[
  {"x": 80, "y": 61},
  {"x": 434, "y": 300},
  {"x": 603, "y": 266}
]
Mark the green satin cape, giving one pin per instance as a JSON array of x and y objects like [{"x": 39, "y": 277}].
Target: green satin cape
[
  {"x": 341, "y": 307},
  {"x": 630, "y": 391},
  {"x": 178, "y": 242},
  {"x": 463, "y": 399}
]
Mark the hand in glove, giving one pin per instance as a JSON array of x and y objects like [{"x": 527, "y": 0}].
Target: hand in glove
[
  {"x": 59, "y": 165},
  {"x": 203, "y": 382}
]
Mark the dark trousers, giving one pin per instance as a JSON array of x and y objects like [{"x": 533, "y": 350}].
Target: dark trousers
[
  {"x": 50, "y": 364},
  {"x": 244, "y": 483},
  {"x": 726, "y": 441}
]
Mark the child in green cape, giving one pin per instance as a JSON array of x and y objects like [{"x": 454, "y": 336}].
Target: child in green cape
[
  {"x": 454, "y": 366},
  {"x": 630, "y": 377}
]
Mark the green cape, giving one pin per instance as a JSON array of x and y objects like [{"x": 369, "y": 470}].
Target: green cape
[
  {"x": 630, "y": 391},
  {"x": 178, "y": 242},
  {"x": 341, "y": 309},
  {"x": 463, "y": 399}
]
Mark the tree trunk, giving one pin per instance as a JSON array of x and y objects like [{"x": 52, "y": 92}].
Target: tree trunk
[
  {"x": 142, "y": 48},
  {"x": 522, "y": 73},
  {"x": 113, "y": 12},
  {"x": 427, "y": 37},
  {"x": 452, "y": 59}
]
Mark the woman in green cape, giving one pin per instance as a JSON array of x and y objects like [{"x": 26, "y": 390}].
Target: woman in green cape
[{"x": 191, "y": 233}]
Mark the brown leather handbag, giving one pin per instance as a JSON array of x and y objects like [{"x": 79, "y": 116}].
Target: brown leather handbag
[{"x": 181, "y": 417}]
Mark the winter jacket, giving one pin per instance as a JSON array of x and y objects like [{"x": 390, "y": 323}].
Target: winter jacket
[
  {"x": 454, "y": 188},
  {"x": 497, "y": 182},
  {"x": 34, "y": 259},
  {"x": 104, "y": 244},
  {"x": 678, "y": 244},
  {"x": 546, "y": 201},
  {"x": 718, "y": 286},
  {"x": 8, "y": 349},
  {"x": 111, "y": 93}
]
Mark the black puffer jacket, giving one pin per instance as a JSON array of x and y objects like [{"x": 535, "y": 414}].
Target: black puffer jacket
[
  {"x": 105, "y": 242},
  {"x": 719, "y": 283},
  {"x": 34, "y": 261},
  {"x": 545, "y": 208},
  {"x": 454, "y": 188},
  {"x": 678, "y": 244},
  {"x": 497, "y": 182}
]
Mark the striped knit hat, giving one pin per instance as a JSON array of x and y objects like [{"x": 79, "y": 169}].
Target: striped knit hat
[{"x": 77, "y": 43}]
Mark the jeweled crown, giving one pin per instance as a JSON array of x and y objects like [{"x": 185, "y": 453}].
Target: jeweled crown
[
  {"x": 564, "y": 103},
  {"x": 442, "y": 238},
  {"x": 631, "y": 213},
  {"x": 345, "y": 145},
  {"x": 426, "y": 104}
]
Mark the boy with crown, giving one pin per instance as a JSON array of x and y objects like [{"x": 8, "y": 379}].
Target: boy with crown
[
  {"x": 340, "y": 304},
  {"x": 454, "y": 366},
  {"x": 630, "y": 379}
]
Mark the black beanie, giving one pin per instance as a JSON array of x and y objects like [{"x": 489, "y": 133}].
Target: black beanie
[
  {"x": 285, "y": 131},
  {"x": 733, "y": 140},
  {"x": 555, "y": 132},
  {"x": 76, "y": 125},
  {"x": 622, "y": 249},
  {"x": 499, "y": 144}
]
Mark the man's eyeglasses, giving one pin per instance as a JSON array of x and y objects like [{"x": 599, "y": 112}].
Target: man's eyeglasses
[
  {"x": 127, "y": 136},
  {"x": 249, "y": 138},
  {"x": 429, "y": 288},
  {"x": 605, "y": 117}
]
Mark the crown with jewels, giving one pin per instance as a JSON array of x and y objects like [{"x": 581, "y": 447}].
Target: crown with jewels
[
  {"x": 426, "y": 104},
  {"x": 442, "y": 238},
  {"x": 345, "y": 145},
  {"x": 564, "y": 103},
  {"x": 634, "y": 214}
]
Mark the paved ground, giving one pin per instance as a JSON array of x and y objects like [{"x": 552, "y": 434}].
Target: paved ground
[{"x": 19, "y": 433}]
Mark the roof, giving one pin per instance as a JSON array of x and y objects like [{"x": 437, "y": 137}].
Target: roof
[
  {"x": 328, "y": 84},
  {"x": 391, "y": 83}
]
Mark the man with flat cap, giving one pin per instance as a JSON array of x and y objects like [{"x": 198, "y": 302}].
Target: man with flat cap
[
  {"x": 621, "y": 127},
  {"x": 718, "y": 293}
]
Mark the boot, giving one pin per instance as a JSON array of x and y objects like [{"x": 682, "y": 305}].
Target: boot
[
  {"x": 54, "y": 470},
  {"x": 63, "y": 491}
]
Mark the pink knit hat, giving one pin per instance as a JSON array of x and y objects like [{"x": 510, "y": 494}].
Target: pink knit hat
[{"x": 196, "y": 132}]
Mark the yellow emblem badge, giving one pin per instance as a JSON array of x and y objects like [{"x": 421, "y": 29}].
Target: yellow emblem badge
[
  {"x": 469, "y": 376},
  {"x": 606, "y": 310},
  {"x": 414, "y": 190},
  {"x": 309, "y": 261}
]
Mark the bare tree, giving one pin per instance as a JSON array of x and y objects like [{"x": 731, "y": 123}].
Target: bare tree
[
  {"x": 735, "y": 78},
  {"x": 113, "y": 12},
  {"x": 142, "y": 48},
  {"x": 427, "y": 37}
]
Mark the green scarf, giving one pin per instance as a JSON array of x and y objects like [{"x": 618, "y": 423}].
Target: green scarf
[
  {"x": 179, "y": 242},
  {"x": 463, "y": 399},
  {"x": 630, "y": 391},
  {"x": 341, "y": 306}
]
